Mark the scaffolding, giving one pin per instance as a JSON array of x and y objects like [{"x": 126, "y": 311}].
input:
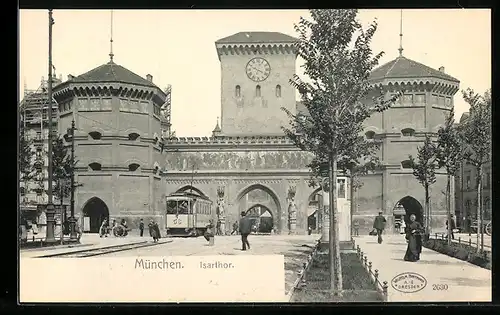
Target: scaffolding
[
  {"x": 34, "y": 119},
  {"x": 166, "y": 114}
]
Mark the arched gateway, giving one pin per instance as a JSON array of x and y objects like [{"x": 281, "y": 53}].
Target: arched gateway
[
  {"x": 406, "y": 207},
  {"x": 94, "y": 212},
  {"x": 262, "y": 204}
]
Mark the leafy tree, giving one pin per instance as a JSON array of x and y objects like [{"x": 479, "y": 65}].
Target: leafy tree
[
  {"x": 424, "y": 170},
  {"x": 448, "y": 153},
  {"x": 61, "y": 169},
  {"x": 337, "y": 61},
  {"x": 475, "y": 133},
  {"x": 26, "y": 166}
]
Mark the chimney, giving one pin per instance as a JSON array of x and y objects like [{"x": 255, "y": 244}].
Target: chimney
[
  {"x": 70, "y": 77},
  {"x": 149, "y": 77},
  {"x": 441, "y": 69}
]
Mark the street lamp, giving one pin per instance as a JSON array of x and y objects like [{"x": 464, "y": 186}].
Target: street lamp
[
  {"x": 50, "y": 211},
  {"x": 70, "y": 136}
]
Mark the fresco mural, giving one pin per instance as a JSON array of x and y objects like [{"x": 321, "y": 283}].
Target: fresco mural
[{"x": 255, "y": 160}]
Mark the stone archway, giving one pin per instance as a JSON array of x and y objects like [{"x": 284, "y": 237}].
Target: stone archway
[
  {"x": 315, "y": 202},
  {"x": 261, "y": 217},
  {"x": 407, "y": 206},
  {"x": 96, "y": 211},
  {"x": 258, "y": 194}
]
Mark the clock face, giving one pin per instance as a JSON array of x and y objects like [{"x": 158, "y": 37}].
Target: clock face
[{"x": 258, "y": 69}]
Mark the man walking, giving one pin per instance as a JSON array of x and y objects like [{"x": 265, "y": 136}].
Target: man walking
[
  {"x": 245, "y": 229},
  {"x": 379, "y": 225},
  {"x": 453, "y": 226},
  {"x": 141, "y": 228}
]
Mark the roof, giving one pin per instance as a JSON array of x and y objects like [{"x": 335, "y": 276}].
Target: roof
[
  {"x": 111, "y": 72},
  {"x": 464, "y": 117},
  {"x": 402, "y": 67},
  {"x": 257, "y": 37}
]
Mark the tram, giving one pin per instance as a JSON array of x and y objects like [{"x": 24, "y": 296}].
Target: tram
[{"x": 187, "y": 214}]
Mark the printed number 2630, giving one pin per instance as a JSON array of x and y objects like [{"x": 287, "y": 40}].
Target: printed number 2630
[
  {"x": 177, "y": 221},
  {"x": 439, "y": 287}
]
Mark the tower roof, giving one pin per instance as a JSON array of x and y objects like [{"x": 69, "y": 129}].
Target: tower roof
[
  {"x": 257, "y": 37},
  {"x": 111, "y": 72},
  {"x": 402, "y": 67}
]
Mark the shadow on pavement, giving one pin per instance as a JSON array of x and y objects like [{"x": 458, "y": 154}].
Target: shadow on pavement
[{"x": 467, "y": 282}]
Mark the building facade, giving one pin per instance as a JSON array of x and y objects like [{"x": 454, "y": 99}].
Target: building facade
[
  {"x": 247, "y": 164},
  {"x": 466, "y": 192}
]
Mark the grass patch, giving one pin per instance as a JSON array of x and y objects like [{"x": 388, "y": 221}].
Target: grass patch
[
  {"x": 460, "y": 251},
  {"x": 356, "y": 282}
]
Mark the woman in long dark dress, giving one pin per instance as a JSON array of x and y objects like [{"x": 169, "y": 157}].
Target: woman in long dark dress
[
  {"x": 154, "y": 231},
  {"x": 414, "y": 231}
]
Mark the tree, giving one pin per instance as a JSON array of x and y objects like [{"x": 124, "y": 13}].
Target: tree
[
  {"x": 337, "y": 102},
  {"x": 26, "y": 167},
  {"x": 448, "y": 153},
  {"x": 61, "y": 169},
  {"x": 475, "y": 133},
  {"x": 424, "y": 170}
]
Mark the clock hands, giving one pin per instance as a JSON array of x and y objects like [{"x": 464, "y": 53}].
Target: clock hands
[{"x": 258, "y": 70}]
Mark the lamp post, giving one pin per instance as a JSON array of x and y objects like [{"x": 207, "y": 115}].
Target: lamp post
[
  {"x": 70, "y": 135},
  {"x": 50, "y": 211}
]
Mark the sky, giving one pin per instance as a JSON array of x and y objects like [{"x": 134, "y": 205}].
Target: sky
[{"x": 177, "y": 47}]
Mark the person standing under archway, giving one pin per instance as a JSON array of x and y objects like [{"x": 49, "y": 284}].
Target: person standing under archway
[{"x": 245, "y": 230}]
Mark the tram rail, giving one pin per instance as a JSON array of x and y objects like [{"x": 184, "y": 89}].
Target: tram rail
[{"x": 85, "y": 253}]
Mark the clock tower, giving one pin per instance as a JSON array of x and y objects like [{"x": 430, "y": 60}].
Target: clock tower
[{"x": 255, "y": 71}]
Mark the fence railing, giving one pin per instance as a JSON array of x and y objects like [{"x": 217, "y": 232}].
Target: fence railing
[
  {"x": 301, "y": 281},
  {"x": 467, "y": 241},
  {"x": 382, "y": 286}
]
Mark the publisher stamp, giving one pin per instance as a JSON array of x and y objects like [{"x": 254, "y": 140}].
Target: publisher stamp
[{"x": 409, "y": 282}]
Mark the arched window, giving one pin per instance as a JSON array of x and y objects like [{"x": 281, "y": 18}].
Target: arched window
[
  {"x": 257, "y": 91},
  {"x": 369, "y": 134},
  {"x": 133, "y": 167},
  {"x": 237, "y": 91},
  {"x": 278, "y": 90},
  {"x": 95, "y": 166},
  {"x": 406, "y": 164},
  {"x": 408, "y": 132},
  {"x": 133, "y": 136},
  {"x": 95, "y": 135}
]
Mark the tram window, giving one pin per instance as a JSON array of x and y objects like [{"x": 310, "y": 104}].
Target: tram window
[
  {"x": 341, "y": 188},
  {"x": 171, "y": 207},
  {"x": 183, "y": 207}
]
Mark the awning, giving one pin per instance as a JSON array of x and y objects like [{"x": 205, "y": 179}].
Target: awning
[
  {"x": 311, "y": 210},
  {"x": 266, "y": 214}
]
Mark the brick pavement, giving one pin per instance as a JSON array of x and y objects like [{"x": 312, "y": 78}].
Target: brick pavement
[{"x": 464, "y": 281}]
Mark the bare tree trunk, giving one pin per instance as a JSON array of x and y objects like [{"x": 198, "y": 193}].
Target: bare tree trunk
[
  {"x": 427, "y": 212},
  {"x": 334, "y": 245},
  {"x": 448, "y": 208},
  {"x": 353, "y": 204},
  {"x": 480, "y": 230}
]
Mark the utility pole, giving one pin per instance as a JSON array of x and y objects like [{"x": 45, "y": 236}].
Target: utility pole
[
  {"x": 72, "y": 221},
  {"x": 50, "y": 211}
]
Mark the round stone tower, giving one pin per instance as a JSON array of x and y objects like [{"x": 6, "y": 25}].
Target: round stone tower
[
  {"x": 118, "y": 119},
  {"x": 428, "y": 98}
]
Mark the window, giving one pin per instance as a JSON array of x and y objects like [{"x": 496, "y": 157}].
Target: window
[
  {"x": 487, "y": 180},
  {"x": 370, "y": 134},
  {"x": 133, "y": 136},
  {"x": 467, "y": 180},
  {"x": 156, "y": 110},
  {"x": 408, "y": 132},
  {"x": 95, "y": 135},
  {"x": 486, "y": 203},
  {"x": 341, "y": 191},
  {"x": 237, "y": 91},
  {"x": 278, "y": 90},
  {"x": 95, "y": 166},
  {"x": 133, "y": 167},
  {"x": 257, "y": 91},
  {"x": 406, "y": 164}
]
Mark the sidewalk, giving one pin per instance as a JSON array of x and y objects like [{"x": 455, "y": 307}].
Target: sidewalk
[
  {"x": 88, "y": 241},
  {"x": 448, "y": 279}
]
